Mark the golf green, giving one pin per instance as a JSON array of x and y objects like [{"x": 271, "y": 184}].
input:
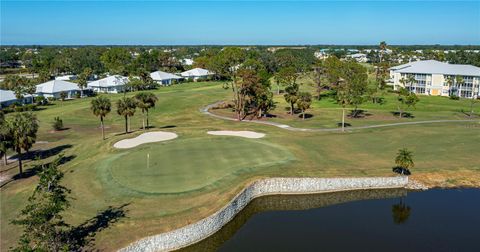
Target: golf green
[{"x": 190, "y": 164}]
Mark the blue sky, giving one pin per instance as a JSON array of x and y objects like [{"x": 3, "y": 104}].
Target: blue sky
[{"x": 246, "y": 22}]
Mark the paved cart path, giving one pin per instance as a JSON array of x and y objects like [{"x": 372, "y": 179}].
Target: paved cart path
[{"x": 206, "y": 111}]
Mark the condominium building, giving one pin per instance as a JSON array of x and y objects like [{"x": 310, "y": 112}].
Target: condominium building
[{"x": 431, "y": 77}]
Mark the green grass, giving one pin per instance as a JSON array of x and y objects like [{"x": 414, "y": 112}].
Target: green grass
[
  {"x": 196, "y": 174},
  {"x": 183, "y": 165}
]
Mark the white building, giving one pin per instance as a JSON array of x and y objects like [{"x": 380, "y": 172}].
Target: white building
[
  {"x": 197, "y": 74},
  {"x": 66, "y": 77},
  {"x": 111, "y": 84},
  {"x": 187, "y": 62},
  {"x": 7, "y": 98},
  {"x": 433, "y": 77},
  {"x": 164, "y": 78},
  {"x": 54, "y": 88},
  {"x": 358, "y": 57}
]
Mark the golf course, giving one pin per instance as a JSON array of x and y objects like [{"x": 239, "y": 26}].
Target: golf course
[{"x": 131, "y": 193}]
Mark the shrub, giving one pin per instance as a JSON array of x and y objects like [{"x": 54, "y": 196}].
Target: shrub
[
  {"x": 63, "y": 96},
  {"x": 57, "y": 123},
  {"x": 454, "y": 97},
  {"x": 222, "y": 105},
  {"x": 77, "y": 95},
  {"x": 41, "y": 100}
]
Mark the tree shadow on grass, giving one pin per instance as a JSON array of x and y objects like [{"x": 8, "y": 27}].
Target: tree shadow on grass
[
  {"x": 404, "y": 114},
  {"x": 307, "y": 116},
  {"x": 82, "y": 237},
  {"x": 345, "y": 124},
  {"x": 164, "y": 127},
  {"x": 35, "y": 169},
  {"x": 42, "y": 154},
  {"x": 359, "y": 113}
]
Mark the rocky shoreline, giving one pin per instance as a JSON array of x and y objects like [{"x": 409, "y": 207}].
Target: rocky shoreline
[{"x": 202, "y": 229}]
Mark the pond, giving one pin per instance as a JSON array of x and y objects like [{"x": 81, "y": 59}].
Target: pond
[{"x": 364, "y": 220}]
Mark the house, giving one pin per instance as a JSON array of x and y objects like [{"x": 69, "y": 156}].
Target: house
[
  {"x": 358, "y": 57},
  {"x": 187, "y": 62},
  {"x": 54, "y": 88},
  {"x": 66, "y": 77},
  {"x": 433, "y": 77},
  {"x": 8, "y": 97},
  {"x": 111, "y": 84},
  {"x": 164, "y": 78},
  {"x": 197, "y": 74}
]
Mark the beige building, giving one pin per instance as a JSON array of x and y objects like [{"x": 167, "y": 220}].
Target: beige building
[{"x": 431, "y": 77}]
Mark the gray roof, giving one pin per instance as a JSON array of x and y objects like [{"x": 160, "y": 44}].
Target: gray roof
[
  {"x": 56, "y": 86},
  {"x": 159, "y": 76},
  {"x": 110, "y": 81},
  {"x": 437, "y": 67},
  {"x": 9, "y": 95}
]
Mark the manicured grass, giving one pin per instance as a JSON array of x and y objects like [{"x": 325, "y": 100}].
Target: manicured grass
[
  {"x": 183, "y": 165},
  {"x": 326, "y": 113},
  {"x": 196, "y": 174}
]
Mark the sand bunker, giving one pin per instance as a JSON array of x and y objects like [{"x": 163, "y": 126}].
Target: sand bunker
[
  {"x": 246, "y": 134},
  {"x": 149, "y": 137}
]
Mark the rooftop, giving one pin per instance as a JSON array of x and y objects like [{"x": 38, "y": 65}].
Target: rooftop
[
  {"x": 55, "y": 86},
  {"x": 437, "y": 67}
]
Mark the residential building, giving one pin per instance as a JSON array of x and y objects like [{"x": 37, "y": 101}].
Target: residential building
[
  {"x": 433, "y": 77},
  {"x": 66, "y": 77},
  {"x": 111, "y": 84},
  {"x": 197, "y": 74},
  {"x": 358, "y": 57},
  {"x": 8, "y": 97},
  {"x": 54, "y": 88},
  {"x": 164, "y": 78}
]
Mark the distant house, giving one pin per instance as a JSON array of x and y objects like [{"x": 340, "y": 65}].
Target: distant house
[
  {"x": 433, "y": 77},
  {"x": 358, "y": 57},
  {"x": 196, "y": 74},
  {"x": 7, "y": 98},
  {"x": 66, "y": 77},
  {"x": 111, "y": 84},
  {"x": 187, "y": 62},
  {"x": 54, "y": 88},
  {"x": 164, "y": 78}
]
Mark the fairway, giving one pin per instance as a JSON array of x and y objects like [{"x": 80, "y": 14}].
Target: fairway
[{"x": 188, "y": 164}]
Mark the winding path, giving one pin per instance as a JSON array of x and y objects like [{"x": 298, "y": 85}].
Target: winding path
[{"x": 206, "y": 111}]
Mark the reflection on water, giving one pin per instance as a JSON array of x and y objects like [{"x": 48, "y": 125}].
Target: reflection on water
[
  {"x": 289, "y": 203},
  {"x": 367, "y": 220},
  {"x": 400, "y": 212}
]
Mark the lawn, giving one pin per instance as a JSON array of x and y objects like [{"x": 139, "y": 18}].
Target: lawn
[
  {"x": 326, "y": 113},
  {"x": 183, "y": 165},
  {"x": 194, "y": 175}
]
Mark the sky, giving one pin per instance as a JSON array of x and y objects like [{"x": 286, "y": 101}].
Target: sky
[{"x": 238, "y": 22}]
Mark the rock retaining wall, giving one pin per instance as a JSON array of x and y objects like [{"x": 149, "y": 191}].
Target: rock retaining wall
[{"x": 202, "y": 229}]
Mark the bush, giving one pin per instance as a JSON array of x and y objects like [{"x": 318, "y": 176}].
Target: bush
[
  {"x": 57, "y": 123},
  {"x": 51, "y": 99},
  {"x": 41, "y": 100},
  {"x": 222, "y": 105},
  {"x": 77, "y": 95},
  {"x": 454, "y": 97}
]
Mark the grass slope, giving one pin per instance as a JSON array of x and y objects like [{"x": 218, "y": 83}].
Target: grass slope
[{"x": 445, "y": 154}]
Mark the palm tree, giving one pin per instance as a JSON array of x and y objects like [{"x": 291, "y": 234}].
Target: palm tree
[
  {"x": 101, "y": 106},
  {"x": 291, "y": 96},
  {"x": 304, "y": 101},
  {"x": 83, "y": 79},
  {"x": 126, "y": 107},
  {"x": 404, "y": 160},
  {"x": 458, "y": 83},
  {"x": 23, "y": 129},
  {"x": 145, "y": 101},
  {"x": 5, "y": 138}
]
